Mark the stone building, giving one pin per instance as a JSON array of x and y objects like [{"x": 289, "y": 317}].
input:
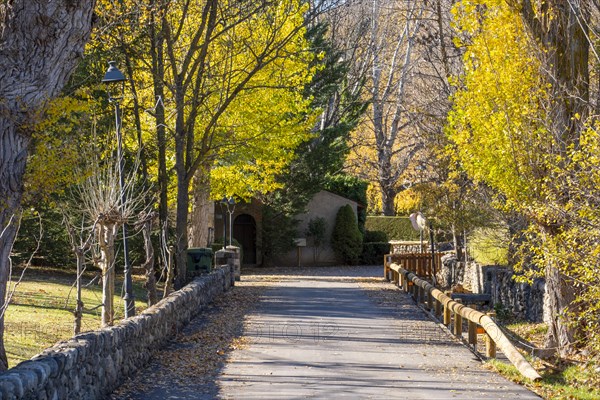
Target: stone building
[{"x": 247, "y": 230}]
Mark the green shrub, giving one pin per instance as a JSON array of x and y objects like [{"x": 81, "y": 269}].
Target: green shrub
[
  {"x": 346, "y": 239},
  {"x": 278, "y": 233},
  {"x": 375, "y": 236},
  {"x": 373, "y": 253},
  {"x": 396, "y": 228},
  {"x": 54, "y": 247},
  {"x": 317, "y": 227}
]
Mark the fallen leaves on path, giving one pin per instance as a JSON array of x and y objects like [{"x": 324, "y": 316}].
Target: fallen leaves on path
[{"x": 198, "y": 353}]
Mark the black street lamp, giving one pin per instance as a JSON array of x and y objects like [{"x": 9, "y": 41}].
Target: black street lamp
[
  {"x": 230, "y": 204},
  {"x": 115, "y": 87},
  {"x": 224, "y": 203}
]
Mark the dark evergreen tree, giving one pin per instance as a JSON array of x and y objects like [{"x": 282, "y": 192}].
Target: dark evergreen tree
[{"x": 346, "y": 239}]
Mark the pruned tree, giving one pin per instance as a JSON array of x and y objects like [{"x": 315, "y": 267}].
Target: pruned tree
[
  {"x": 80, "y": 245},
  {"x": 100, "y": 198}
]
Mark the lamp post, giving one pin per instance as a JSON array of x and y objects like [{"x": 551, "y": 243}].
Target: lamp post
[
  {"x": 115, "y": 87},
  {"x": 421, "y": 168},
  {"x": 229, "y": 203},
  {"x": 224, "y": 202}
]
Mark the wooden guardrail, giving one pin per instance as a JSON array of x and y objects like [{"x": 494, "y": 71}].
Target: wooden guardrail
[
  {"x": 418, "y": 263},
  {"x": 424, "y": 292}
]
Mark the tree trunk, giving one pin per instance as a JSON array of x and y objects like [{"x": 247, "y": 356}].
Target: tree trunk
[
  {"x": 78, "y": 313},
  {"x": 388, "y": 197},
  {"x": 181, "y": 232},
  {"x": 150, "y": 284},
  {"x": 561, "y": 29},
  {"x": 170, "y": 272},
  {"x": 457, "y": 248},
  {"x": 558, "y": 299},
  {"x": 13, "y": 153},
  {"x": 40, "y": 43},
  {"x": 202, "y": 216},
  {"x": 106, "y": 240},
  {"x": 158, "y": 74},
  {"x": 183, "y": 201}
]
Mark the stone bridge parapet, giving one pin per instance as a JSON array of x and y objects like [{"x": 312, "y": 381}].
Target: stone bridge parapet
[{"x": 91, "y": 365}]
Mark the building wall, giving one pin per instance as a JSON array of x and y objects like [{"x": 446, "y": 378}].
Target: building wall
[
  {"x": 253, "y": 208},
  {"x": 325, "y": 205}
]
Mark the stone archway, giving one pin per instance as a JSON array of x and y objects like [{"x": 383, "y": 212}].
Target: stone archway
[{"x": 244, "y": 231}]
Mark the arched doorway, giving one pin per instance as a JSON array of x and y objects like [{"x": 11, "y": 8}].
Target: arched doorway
[{"x": 244, "y": 231}]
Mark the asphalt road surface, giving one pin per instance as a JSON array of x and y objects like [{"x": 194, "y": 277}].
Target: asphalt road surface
[{"x": 323, "y": 334}]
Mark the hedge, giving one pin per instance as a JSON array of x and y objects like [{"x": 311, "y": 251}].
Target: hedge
[
  {"x": 396, "y": 228},
  {"x": 373, "y": 252}
]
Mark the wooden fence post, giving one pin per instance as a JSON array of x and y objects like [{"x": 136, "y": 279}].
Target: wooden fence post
[
  {"x": 438, "y": 308},
  {"x": 473, "y": 334},
  {"x": 457, "y": 322},
  {"x": 490, "y": 345},
  {"x": 447, "y": 316},
  {"x": 429, "y": 301}
]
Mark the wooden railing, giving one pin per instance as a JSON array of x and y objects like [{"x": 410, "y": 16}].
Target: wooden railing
[
  {"x": 418, "y": 263},
  {"x": 454, "y": 313}
]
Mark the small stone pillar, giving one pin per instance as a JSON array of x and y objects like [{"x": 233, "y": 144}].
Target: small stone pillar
[
  {"x": 227, "y": 257},
  {"x": 237, "y": 262}
]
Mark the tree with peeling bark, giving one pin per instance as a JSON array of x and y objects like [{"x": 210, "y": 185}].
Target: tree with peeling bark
[
  {"x": 40, "y": 44},
  {"x": 522, "y": 124},
  {"x": 386, "y": 142},
  {"x": 144, "y": 224}
]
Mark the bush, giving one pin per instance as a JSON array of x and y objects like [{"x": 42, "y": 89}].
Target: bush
[
  {"x": 278, "y": 233},
  {"x": 396, "y": 228},
  {"x": 374, "y": 252},
  {"x": 55, "y": 248},
  {"x": 346, "y": 239},
  {"x": 375, "y": 236}
]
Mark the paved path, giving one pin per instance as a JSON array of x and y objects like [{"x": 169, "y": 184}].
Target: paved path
[
  {"x": 321, "y": 335},
  {"x": 320, "y": 338}
]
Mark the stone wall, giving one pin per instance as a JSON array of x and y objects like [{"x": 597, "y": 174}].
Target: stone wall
[
  {"x": 92, "y": 365},
  {"x": 523, "y": 300}
]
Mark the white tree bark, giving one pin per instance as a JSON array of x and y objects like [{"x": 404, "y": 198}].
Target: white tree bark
[
  {"x": 203, "y": 214},
  {"x": 106, "y": 241}
]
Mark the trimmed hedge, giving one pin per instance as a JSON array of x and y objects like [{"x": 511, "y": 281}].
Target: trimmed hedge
[
  {"x": 373, "y": 253},
  {"x": 375, "y": 236},
  {"x": 396, "y": 228}
]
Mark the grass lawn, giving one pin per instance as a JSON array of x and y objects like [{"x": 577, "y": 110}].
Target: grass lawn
[
  {"x": 489, "y": 246},
  {"x": 567, "y": 379},
  {"x": 41, "y": 310},
  {"x": 573, "y": 382}
]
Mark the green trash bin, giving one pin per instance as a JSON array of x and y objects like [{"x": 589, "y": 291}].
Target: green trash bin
[{"x": 199, "y": 259}]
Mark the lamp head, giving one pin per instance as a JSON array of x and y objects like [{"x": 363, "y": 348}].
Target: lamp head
[{"x": 114, "y": 81}]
